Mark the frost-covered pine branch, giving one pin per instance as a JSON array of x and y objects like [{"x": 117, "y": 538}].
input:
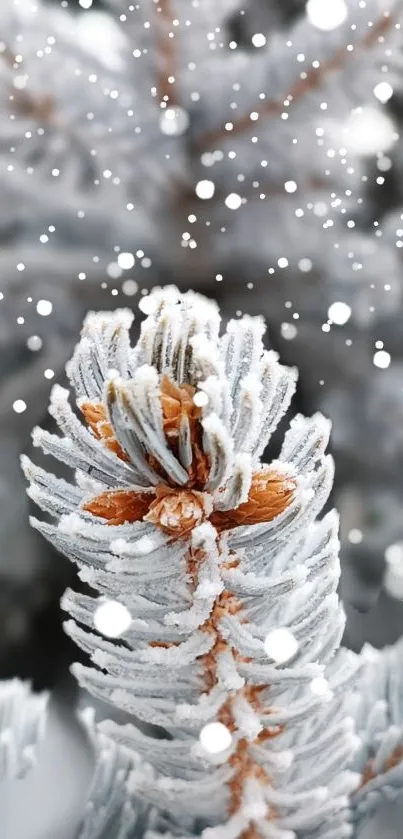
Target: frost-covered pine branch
[
  {"x": 108, "y": 157},
  {"x": 215, "y": 616}
]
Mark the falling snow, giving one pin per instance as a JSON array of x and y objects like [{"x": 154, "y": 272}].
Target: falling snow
[
  {"x": 112, "y": 619},
  {"x": 260, "y": 163},
  {"x": 281, "y": 645}
]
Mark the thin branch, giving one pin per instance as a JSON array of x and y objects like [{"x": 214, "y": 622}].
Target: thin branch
[
  {"x": 312, "y": 81},
  {"x": 42, "y": 107},
  {"x": 166, "y": 55}
]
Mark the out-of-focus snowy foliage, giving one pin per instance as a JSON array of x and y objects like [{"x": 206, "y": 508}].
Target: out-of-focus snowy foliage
[
  {"x": 117, "y": 141},
  {"x": 380, "y": 727},
  {"x": 22, "y": 721},
  {"x": 214, "y": 609},
  {"x": 110, "y": 810}
]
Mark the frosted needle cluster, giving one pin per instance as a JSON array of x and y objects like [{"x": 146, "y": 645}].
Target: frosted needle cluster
[{"x": 215, "y": 614}]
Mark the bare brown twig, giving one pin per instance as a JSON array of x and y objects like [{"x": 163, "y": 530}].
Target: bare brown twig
[
  {"x": 166, "y": 55},
  {"x": 313, "y": 80},
  {"x": 41, "y": 108}
]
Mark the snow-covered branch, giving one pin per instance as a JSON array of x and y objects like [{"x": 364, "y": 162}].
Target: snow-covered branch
[{"x": 217, "y": 620}]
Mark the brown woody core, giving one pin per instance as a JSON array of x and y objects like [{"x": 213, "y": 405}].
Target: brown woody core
[
  {"x": 176, "y": 511},
  {"x": 243, "y": 764}
]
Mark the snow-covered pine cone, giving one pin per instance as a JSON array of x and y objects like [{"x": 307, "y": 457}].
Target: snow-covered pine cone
[{"x": 231, "y": 646}]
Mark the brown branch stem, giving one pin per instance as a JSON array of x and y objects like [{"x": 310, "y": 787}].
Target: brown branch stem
[
  {"x": 41, "y": 108},
  {"x": 166, "y": 55},
  {"x": 313, "y": 80}
]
